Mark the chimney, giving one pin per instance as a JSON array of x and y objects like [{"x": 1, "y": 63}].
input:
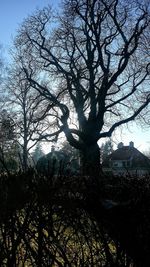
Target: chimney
[
  {"x": 120, "y": 145},
  {"x": 131, "y": 144}
]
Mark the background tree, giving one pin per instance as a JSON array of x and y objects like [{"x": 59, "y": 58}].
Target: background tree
[
  {"x": 86, "y": 62},
  {"x": 26, "y": 106},
  {"x": 37, "y": 153},
  {"x": 106, "y": 149}
]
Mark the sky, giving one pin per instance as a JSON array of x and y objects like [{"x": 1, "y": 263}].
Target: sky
[{"x": 12, "y": 14}]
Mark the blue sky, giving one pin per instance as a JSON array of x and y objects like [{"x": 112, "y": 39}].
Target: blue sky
[{"x": 12, "y": 13}]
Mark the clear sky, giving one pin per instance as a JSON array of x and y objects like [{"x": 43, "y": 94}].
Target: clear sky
[
  {"x": 12, "y": 13},
  {"x": 136, "y": 133}
]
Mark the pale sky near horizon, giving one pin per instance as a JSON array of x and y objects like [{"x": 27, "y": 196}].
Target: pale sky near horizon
[{"x": 12, "y": 14}]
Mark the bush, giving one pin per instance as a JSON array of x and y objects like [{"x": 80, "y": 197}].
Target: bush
[{"x": 69, "y": 221}]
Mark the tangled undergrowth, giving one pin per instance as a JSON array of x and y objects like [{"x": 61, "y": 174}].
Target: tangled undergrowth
[{"x": 74, "y": 221}]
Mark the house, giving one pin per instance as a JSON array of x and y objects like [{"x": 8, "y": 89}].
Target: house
[
  {"x": 58, "y": 162},
  {"x": 127, "y": 160}
]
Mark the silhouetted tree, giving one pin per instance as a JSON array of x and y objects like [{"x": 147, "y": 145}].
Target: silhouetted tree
[
  {"x": 26, "y": 106},
  {"x": 85, "y": 62}
]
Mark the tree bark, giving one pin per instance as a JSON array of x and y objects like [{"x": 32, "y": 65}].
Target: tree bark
[{"x": 90, "y": 161}]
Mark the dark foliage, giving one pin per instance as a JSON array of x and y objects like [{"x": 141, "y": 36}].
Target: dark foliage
[{"x": 73, "y": 221}]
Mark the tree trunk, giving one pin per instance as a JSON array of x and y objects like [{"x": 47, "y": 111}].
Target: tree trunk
[
  {"x": 25, "y": 157},
  {"x": 90, "y": 161}
]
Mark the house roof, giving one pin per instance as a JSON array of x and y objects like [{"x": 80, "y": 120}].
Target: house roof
[{"x": 127, "y": 153}]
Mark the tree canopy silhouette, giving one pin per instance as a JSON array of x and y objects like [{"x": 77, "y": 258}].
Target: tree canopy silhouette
[{"x": 90, "y": 64}]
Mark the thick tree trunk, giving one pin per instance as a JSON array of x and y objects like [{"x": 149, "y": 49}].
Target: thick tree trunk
[{"x": 90, "y": 161}]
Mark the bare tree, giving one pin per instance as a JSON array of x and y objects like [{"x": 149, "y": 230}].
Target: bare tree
[
  {"x": 91, "y": 66},
  {"x": 26, "y": 106}
]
